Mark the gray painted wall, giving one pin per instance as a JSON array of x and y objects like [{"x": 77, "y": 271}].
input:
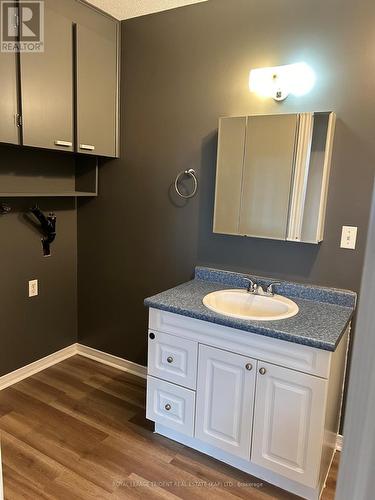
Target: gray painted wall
[
  {"x": 181, "y": 70},
  {"x": 32, "y": 328}
]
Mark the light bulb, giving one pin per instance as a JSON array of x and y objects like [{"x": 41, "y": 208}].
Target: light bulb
[{"x": 280, "y": 81}]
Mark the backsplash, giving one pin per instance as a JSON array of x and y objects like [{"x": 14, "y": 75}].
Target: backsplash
[{"x": 337, "y": 296}]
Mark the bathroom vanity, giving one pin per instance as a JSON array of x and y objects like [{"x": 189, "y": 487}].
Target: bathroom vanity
[{"x": 262, "y": 396}]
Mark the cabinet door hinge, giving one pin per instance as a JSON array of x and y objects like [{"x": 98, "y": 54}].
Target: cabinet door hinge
[
  {"x": 18, "y": 118},
  {"x": 14, "y": 22}
]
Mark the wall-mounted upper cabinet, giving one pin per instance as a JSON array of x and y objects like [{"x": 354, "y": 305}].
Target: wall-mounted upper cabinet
[
  {"x": 9, "y": 131},
  {"x": 47, "y": 85},
  {"x": 97, "y": 91},
  {"x": 70, "y": 91},
  {"x": 272, "y": 175}
]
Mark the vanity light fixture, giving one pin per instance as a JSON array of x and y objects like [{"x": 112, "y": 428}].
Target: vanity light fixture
[{"x": 280, "y": 81}]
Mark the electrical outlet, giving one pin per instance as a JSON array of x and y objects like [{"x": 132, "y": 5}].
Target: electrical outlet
[
  {"x": 349, "y": 237},
  {"x": 33, "y": 288}
]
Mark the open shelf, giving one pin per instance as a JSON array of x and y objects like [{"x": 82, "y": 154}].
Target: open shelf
[
  {"x": 65, "y": 194},
  {"x": 26, "y": 172}
]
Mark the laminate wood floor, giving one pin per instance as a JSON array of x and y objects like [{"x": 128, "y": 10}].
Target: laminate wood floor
[{"x": 78, "y": 430}]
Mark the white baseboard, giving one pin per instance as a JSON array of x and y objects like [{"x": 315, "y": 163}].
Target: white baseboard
[
  {"x": 37, "y": 366},
  {"x": 339, "y": 442},
  {"x": 111, "y": 360},
  {"x": 54, "y": 358}
]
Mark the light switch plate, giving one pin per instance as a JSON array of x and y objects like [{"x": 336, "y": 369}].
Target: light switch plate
[
  {"x": 349, "y": 237},
  {"x": 33, "y": 288}
]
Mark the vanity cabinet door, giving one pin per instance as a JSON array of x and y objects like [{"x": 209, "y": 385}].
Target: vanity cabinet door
[
  {"x": 8, "y": 99},
  {"x": 225, "y": 399},
  {"x": 47, "y": 84},
  {"x": 289, "y": 423}
]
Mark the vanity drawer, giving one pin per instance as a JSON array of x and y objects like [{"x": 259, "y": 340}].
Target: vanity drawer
[
  {"x": 170, "y": 405},
  {"x": 173, "y": 358},
  {"x": 271, "y": 350}
]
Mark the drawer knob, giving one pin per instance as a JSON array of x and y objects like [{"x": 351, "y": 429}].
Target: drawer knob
[
  {"x": 249, "y": 366},
  {"x": 152, "y": 336},
  {"x": 170, "y": 359},
  {"x": 167, "y": 406},
  {"x": 262, "y": 371}
]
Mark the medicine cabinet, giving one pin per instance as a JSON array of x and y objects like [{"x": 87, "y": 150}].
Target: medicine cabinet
[{"x": 272, "y": 175}]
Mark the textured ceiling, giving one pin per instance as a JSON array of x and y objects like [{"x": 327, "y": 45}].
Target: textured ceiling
[{"x": 124, "y": 9}]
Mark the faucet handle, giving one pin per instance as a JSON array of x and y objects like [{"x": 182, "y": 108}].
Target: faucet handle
[
  {"x": 270, "y": 287},
  {"x": 252, "y": 286}
]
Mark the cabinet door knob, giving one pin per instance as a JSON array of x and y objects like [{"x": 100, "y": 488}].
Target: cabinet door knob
[
  {"x": 170, "y": 359},
  {"x": 249, "y": 366},
  {"x": 152, "y": 336},
  {"x": 87, "y": 147},
  {"x": 262, "y": 371},
  {"x": 167, "y": 406}
]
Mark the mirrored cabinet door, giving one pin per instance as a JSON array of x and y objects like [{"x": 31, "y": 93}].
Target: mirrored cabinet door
[
  {"x": 267, "y": 175},
  {"x": 232, "y": 133},
  {"x": 272, "y": 175},
  {"x": 316, "y": 175}
]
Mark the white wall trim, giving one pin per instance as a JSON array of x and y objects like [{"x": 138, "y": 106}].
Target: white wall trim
[
  {"x": 111, "y": 360},
  {"x": 37, "y": 366},
  {"x": 339, "y": 442},
  {"x": 54, "y": 358}
]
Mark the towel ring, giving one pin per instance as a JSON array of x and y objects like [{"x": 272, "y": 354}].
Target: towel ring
[{"x": 191, "y": 173}]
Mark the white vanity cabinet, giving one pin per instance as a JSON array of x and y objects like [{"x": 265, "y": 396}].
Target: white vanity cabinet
[{"x": 268, "y": 407}]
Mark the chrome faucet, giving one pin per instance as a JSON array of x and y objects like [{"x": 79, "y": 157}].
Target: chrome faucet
[
  {"x": 252, "y": 287},
  {"x": 257, "y": 289}
]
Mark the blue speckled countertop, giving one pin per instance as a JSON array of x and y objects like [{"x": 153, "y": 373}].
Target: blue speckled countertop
[{"x": 324, "y": 313}]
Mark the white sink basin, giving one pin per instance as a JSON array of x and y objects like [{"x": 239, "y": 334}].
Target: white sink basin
[{"x": 243, "y": 305}]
